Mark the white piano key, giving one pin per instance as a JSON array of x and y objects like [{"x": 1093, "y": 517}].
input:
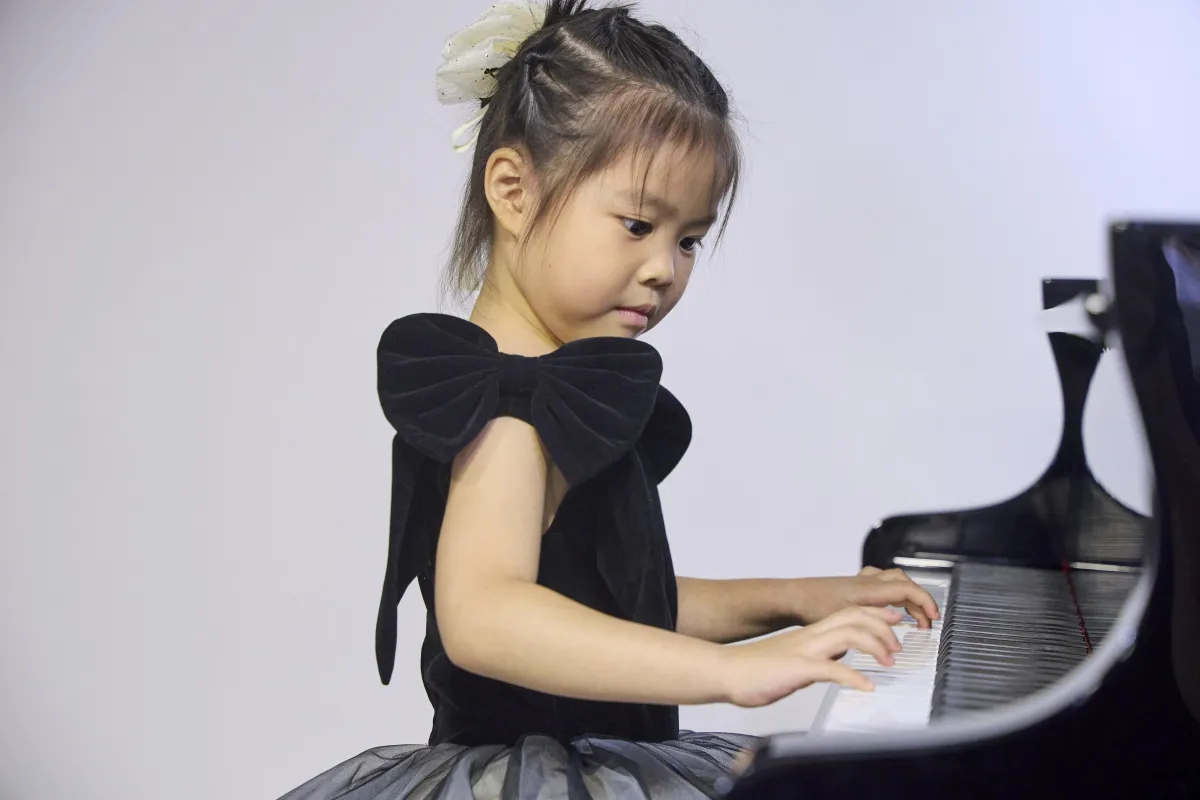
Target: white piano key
[{"x": 903, "y": 692}]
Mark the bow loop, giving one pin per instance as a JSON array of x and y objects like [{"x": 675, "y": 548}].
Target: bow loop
[
  {"x": 606, "y": 387},
  {"x": 437, "y": 382}
]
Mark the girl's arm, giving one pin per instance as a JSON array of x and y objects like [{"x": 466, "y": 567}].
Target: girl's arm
[
  {"x": 735, "y": 610},
  {"x": 724, "y": 611},
  {"x": 496, "y": 621}
]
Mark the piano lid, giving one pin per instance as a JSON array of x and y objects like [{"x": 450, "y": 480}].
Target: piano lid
[{"x": 1066, "y": 516}]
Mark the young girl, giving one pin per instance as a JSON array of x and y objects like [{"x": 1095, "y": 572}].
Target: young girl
[{"x": 530, "y": 442}]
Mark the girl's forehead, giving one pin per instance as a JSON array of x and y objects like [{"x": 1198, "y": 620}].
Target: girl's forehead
[{"x": 666, "y": 168}]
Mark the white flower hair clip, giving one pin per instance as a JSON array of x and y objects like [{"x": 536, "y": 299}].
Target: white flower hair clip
[{"x": 473, "y": 55}]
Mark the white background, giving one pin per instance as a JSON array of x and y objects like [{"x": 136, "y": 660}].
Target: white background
[{"x": 210, "y": 211}]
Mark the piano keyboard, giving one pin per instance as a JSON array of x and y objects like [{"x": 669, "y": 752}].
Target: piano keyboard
[
  {"x": 1005, "y": 632},
  {"x": 904, "y": 692}
]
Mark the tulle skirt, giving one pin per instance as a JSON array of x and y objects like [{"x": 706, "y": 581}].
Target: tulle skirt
[{"x": 697, "y": 765}]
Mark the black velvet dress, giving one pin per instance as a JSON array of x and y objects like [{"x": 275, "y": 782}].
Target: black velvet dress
[{"x": 615, "y": 434}]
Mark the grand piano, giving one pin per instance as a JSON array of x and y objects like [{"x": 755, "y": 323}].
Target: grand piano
[{"x": 1067, "y": 658}]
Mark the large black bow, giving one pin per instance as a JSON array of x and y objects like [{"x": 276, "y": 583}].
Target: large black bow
[{"x": 442, "y": 379}]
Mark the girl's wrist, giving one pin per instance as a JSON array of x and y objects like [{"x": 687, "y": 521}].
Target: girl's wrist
[
  {"x": 723, "y": 672},
  {"x": 800, "y": 601}
]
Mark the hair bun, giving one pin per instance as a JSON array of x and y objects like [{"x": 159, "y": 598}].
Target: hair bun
[{"x": 560, "y": 10}]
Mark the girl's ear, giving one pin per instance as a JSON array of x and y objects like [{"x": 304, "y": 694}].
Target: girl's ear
[{"x": 508, "y": 183}]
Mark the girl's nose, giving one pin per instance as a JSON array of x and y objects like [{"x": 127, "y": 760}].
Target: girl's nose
[{"x": 659, "y": 271}]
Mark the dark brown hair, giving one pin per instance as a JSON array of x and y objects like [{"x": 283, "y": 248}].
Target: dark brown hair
[{"x": 591, "y": 85}]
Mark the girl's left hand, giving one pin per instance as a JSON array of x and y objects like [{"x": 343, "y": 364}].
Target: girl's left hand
[{"x": 817, "y": 598}]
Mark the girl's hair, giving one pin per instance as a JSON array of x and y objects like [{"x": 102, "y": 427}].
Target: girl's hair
[{"x": 591, "y": 85}]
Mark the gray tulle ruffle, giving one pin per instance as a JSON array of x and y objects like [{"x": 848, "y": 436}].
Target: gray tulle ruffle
[{"x": 697, "y": 765}]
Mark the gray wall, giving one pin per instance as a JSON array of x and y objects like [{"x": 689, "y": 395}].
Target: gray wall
[{"x": 210, "y": 211}]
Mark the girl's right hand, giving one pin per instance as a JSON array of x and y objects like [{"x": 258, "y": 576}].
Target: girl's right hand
[{"x": 768, "y": 670}]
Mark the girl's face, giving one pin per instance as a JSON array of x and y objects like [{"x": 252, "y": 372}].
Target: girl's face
[{"x": 617, "y": 258}]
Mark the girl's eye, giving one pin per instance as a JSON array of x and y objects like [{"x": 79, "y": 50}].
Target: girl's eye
[
  {"x": 640, "y": 228},
  {"x": 637, "y": 227}
]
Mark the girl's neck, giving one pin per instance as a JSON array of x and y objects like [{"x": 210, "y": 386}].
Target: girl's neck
[{"x": 502, "y": 310}]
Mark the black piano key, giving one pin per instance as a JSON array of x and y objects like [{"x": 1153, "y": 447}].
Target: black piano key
[{"x": 1009, "y": 632}]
